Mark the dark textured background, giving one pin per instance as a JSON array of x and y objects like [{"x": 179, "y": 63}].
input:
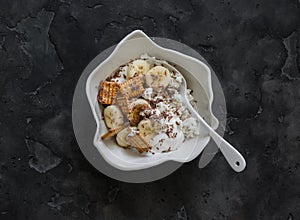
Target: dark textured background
[{"x": 253, "y": 47}]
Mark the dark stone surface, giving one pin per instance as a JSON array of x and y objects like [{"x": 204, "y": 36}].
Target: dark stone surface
[{"x": 253, "y": 47}]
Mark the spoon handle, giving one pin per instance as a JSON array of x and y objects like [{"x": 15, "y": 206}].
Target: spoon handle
[{"x": 233, "y": 157}]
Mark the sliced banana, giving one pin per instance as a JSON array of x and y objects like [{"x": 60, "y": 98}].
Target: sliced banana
[
  {"x": 113, "y": 116},
  {"x": 138, "y": 67},
  {"x": 122, "y": 137},
  {"x": 148, "y": 128},
  {"x": 158, "y": 77},
  {"x": 139, "y": 102},
  {"x": 135, "y": 108},
  {"x": 145, "y": 129}
]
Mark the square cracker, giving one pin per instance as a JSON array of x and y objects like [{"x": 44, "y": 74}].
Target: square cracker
[
  {"x": 139, "y": 143},
  {"x": 107, "y": 93},
  {"x": 132, "y": 87}
]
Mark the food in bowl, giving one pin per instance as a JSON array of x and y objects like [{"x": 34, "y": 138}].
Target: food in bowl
[{"x": 143, "y": 108}]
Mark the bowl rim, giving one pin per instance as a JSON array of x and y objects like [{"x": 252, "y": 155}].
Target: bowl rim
[{"x": 139, "y": 166}]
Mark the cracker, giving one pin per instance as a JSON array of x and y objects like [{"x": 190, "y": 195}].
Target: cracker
[
  {"x": 107, "y": 93},
  {"x": 112, "y": 132},
  {"x": 123, "y": 103},
  {"x": 132, "y": 87},
  {"x": 139, "y": 143}
]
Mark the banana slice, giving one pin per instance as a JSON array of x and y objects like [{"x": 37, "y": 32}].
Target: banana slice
[
  {"x": 158, "y": 77},
  {"x": 148, "y": 128},
  {"x": 145, "y": 129},
  {"x": 113, "y": 116},
  {"x": 135, "y": 108},
  {"x": 138, "y": 67},
  {"x": 122, "y": 137}
]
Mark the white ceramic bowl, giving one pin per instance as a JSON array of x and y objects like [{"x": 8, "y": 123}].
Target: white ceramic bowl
[{"x": 198, "y": 77}]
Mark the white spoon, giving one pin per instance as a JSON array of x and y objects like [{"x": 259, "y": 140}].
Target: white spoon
[{"x": 233, "y": 157}]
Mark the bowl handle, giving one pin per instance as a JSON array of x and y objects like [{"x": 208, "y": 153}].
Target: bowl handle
[{"x": 133, "y": 35}]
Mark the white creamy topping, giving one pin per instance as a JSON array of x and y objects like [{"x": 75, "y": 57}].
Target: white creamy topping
[
  {"x": 176, "y": 80},
  {"x": 122, "y": 77},
  {"x": 123, "y": 71},
  {"x": 174, "y": 83},
  {"x": 158, "y": 97},
  {"x": 189, "y": 95},
  {"x": 178, "y": 97},
  {"x": 118, "y": 80},
  {"x": 190, "y": 127},
  {"x": 162, "y": 107},
  {"x": 162, "y": 143},
  {"x": 133, "y": 131},
  {"x": 145, "y": 56},
  {"x": 148, "y": 93}
]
